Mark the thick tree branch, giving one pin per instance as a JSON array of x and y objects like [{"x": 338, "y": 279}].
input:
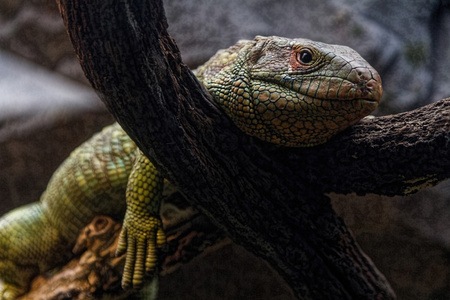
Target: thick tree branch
[
  {"x": 270, "y": 199},
  {"x": 390, "y": 155}
]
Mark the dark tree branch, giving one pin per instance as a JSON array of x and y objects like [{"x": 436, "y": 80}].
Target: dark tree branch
[
  {"x": 390, "y": 155},
  {"x": 269, "y": 199}
]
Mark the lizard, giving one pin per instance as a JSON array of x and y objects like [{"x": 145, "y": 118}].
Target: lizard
[{"x": 291, "y": 92}]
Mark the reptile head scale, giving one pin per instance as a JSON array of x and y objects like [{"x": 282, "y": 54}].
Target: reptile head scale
[{"x": 293, "y": 92}]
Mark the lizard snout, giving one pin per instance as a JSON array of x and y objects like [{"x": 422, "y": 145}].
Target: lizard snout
[{"x": 368, "y": 83}]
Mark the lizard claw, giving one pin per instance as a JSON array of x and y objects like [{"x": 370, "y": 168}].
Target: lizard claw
[{"x": 141, "y": 243}]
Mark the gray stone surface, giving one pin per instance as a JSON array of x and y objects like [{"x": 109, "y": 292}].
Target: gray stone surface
[
  {"x": 421, "y": 62},
  {"x": 35, "y": 31},
  {"x": 27, "y": 89},
  {"x": 43, "y": 117}
]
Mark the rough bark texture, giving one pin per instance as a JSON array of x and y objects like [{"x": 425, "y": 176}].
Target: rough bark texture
[{"x": 268, "y": 198}]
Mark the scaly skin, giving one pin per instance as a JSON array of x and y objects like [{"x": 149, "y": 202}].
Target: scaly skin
[
  {"x": 92, "y": 181},
  {"x": 292, "y": 92},
  {"x": 142, "y": 231}
]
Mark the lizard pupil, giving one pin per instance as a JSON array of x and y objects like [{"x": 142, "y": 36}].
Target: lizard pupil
[{"x": 305, "y": 56}]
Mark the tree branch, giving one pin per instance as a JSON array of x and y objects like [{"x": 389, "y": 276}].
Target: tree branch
[
  {"x": 389, "y": 155},
  {"x": 269, "y": 199}
]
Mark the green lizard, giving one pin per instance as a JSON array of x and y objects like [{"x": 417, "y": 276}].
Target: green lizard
[{"x": 293, "y": 92}]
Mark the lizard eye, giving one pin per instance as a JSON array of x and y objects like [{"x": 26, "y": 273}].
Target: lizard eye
[{"x": 305, "y": 56}]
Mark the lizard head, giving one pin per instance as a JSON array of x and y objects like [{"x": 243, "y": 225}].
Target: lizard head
[{"x": 294, "y": 92}]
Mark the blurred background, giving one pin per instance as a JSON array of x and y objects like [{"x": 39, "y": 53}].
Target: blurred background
[{"x": 47, "y": 109}]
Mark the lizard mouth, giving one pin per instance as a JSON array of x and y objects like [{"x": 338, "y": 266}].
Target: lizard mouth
[
  {"x": 365, "y": 86},
  {"x": 369, "y": 91}
]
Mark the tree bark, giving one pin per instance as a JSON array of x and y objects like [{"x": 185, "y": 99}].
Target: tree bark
[{"x": 270, "y": 199}]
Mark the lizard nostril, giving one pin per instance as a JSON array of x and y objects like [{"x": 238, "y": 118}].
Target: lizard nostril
[
  {"x": 370, "y": 85},
  {"x": 367, "y": 82},
  {"x": 372, "y": 89},
  {"x": 364, "y": 74},
  {"x": 359, "y": 75}
]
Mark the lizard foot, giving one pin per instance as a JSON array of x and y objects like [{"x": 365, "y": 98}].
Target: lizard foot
[
  {"x": 10, "y": 291},
  {"x": 140, "y": 241}
]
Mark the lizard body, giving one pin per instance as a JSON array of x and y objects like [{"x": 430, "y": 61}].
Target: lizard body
[
  {"x": 292, "y": 92},
  {"x": 91, "y": 181}
]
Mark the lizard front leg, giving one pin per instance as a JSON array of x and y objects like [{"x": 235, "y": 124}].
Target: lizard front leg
[{"x": 142, "y": 234}]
